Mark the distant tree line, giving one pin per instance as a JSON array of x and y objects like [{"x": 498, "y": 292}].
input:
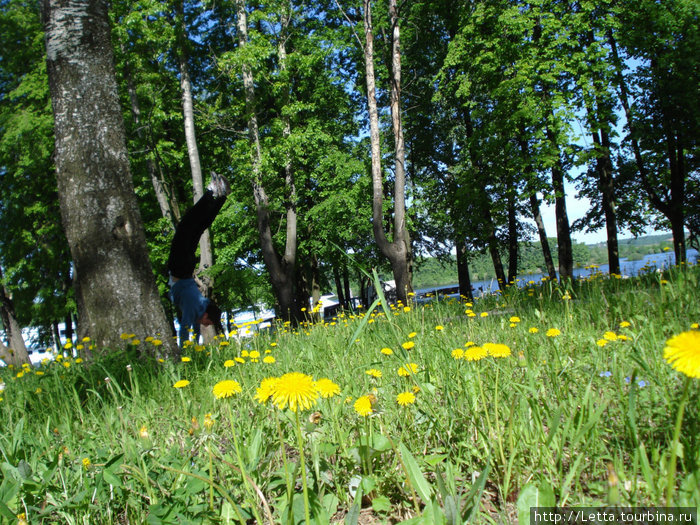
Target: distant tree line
[{"x": 355, "y": 134}]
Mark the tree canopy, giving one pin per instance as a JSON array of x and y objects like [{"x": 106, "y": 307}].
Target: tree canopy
[{"x": 503, "y": 104}]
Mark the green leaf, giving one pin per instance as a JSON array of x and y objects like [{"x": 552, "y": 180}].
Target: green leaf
[
  {"x": 353, "y": 515},
  {"x": 533, "y": 495},
  {"x": 415, "y": 475},
  {"x": 381, "y": 504}
]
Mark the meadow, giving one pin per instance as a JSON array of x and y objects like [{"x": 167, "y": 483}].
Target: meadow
[{"x": 447, "y": 413}]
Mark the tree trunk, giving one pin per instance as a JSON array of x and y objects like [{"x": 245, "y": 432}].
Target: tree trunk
[
  {"x": 535, "y": 208},
  {"x": 512, "y": 240},
  {"x": 492, "y": 243},
  {"x": 564, "y": 245},
  {"x": 606, "y": 185},
  {"x": 340, "y": 292},
  {"x": 206, "y": 255},
  {"x": 346, "y": 285},
  {"x": 115, "y": 288},
  {"x": 280, "y": 269},
  {"x": 542, "y": 232},
  {"x": 672, "y": 208},
  {"x": 397, "y": 251},
  {"x": 16, "y": 354},
  {"x": 465, "y": 282}
]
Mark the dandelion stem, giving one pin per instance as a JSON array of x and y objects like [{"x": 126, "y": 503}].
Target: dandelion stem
[
  {"x": 670, "y": 480},
  {"x": 211, "y": 480},
  {"x": 302, "y": 461},
  {"x": 242, "y": 466}
]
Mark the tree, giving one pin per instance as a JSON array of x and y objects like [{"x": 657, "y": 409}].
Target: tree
[
  {"x": 33, "y": 251},
  {"x": 281, "y": 268},
  {"x": 663, "y": 120},
  {"x": 398, "y": 250},
  {"x": 16, "y": 354},
  {"x": 115, "y": 287}
]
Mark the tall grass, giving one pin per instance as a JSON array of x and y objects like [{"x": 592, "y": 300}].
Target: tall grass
[{"x": 581, "y": 412}]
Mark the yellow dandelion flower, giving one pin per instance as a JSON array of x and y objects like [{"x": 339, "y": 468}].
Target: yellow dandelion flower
[
  {"x": 229, "y": 363},
  {"x": 296, "y": 391},
  {"x": 265, "y": 390},
  {"x": 186, "y": 359},
  {"x": 439, "y": 327},
  {"x": 208, "y": 421},
  {"x": 407, "y": 369},
  {"x": 475, "y": 353},
  {"x": 602, "y": 342},
  {"x": 239, "y": 360},
  {"x": 610, "y": 336},
  {"x": 363, "y": 406},
  {"x": 695, "y": 326},
  {"x": 254, "y": 354},
  {"x": 387, "y": 351},
  {"x": 86, "y": 463},
  {"x": 484, "y": 314},
  {"x": 457, "y": 353},
  {"x": 406, "y": 309},
  {"x": 412, "y": 335},
  {"x": 22, "y": 519},
  {"x": 625, "y": 324},
  {"x": 143, "y": 432},
  {"x": 226, "y": 388},
  {"x": 408, "y": 345},
  {"x": 514, "y": 319},
  {"x": 622, "y": 337},
  {"x": 533, "y": 330},
  {"x": 374, "y": 373},
  {"x": 497, "y": 349},
  {"x": 469, "y": 343},
  {"x": 182, "y": 383},
  {"x": 406, "y": 398},
  {"x": 327, "y": 388},
  {"x": 126, "y": 336},
  {"x": 553, "y": 332},
  {"x": 682, "y": 352},
  {"x": 269, "y": 359}
]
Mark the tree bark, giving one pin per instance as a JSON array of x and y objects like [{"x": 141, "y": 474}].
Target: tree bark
[
  {"x": 206, "y": 255},
  {"x": 16, "y": 354},
  {"x": 606, "y": 185},
  {"x": 463, "y": 277},
  {"x": 280, "y": 269},
  {"x": 115, "y": 288},
  {"x": 564, "y": 244},
  {"x": 340, "y": 291},
  {"x": 397, "y": 251},
  {"x": 542, "y": 232},
  {"x": 512, "y": 240}
]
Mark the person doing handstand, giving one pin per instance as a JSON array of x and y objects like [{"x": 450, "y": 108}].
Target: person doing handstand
[{"x": 193, "y": 308}]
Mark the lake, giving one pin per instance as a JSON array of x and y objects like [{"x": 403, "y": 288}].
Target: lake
[{"x": 653, "y": 261}]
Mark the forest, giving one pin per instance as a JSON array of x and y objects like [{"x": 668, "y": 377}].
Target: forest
[{"x": 355, "y": 135}]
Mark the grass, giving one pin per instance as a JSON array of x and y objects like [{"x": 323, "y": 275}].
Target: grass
[{"x": 579, "y": 410}]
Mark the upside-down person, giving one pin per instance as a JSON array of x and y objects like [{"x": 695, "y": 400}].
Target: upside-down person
[{"x": 193, "y": 308}]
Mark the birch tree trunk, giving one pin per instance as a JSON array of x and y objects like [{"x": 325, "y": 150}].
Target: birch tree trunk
[
  {"x": 115, "y": 288},
  {"x": 398, "y": 250},
  {"x": 206, "y": 256},
  {"x": 280, "y": 269}
]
